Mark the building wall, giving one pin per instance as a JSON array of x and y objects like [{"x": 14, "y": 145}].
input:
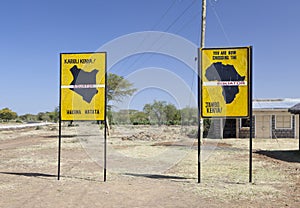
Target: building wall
[
  {"x": 216, "y": 130},
  {"x": 272, "y": 131},
  {"x": 244, "y": 132},
  {"x": 263, "y": 125},
  {"x": 297, "y": 126},
  {"x": 283, "y": 133}
]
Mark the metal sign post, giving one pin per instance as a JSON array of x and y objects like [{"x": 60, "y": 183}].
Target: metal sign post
[{"x": 250, "y": 115}]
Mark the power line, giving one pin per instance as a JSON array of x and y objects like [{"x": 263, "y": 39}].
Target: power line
[
  {"x": 163, "y": 16},
  {"x": 220, "y": 22},
  {"x": 186, "y": 9},
  {"x": 153, "y": 28},
  {"x": 193, "y": 18},
  {"x": 169, "y": 27}
]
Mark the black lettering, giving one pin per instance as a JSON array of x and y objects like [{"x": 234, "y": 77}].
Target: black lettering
[
  {"x": 220, "y": 57},
  {"x": 214, "y": 110},
  {"x": 87, "y": 61},
  {"x": 71, "y": 61},
  {"x": 95, "y": 111},
  {"x": 71, "y": 112},
  {"x": 212, "y": 104}
]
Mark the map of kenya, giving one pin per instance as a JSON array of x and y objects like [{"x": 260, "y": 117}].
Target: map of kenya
[
  {"x": 219, "y": 72},
  {"x": 83, "y": 81}
]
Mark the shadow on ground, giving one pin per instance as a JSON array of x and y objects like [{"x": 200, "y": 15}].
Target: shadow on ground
[
  {"x": 284, "y": 155},
  {"x": 29, "y": 174},
  {"x": 71, "y": 136},
  {"x": 156, "y": 176}
]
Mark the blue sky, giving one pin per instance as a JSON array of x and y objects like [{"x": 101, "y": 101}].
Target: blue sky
[{"x": 34, "y": 32}]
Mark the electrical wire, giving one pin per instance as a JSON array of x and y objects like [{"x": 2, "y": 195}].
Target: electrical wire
[
  {"x": 153, "y": 28},
  {"x": 164, "y": 15},
  {"x": 186, "y": 9},
  {"x": 219, "y": 22},
  {"x": 168, "y": 28}
]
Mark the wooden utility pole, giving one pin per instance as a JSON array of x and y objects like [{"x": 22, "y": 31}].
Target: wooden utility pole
[
  {"x": 203, "y": 24},
  {"x": 200, "y": 122}
]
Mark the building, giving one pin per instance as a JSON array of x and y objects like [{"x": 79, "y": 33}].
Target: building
[{"x": 271, "y": 119}]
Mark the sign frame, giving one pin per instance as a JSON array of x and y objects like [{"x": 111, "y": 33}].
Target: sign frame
[{"x": 215, "y": 104}]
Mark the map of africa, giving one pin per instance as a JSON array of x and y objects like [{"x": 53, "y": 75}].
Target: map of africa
[
  {"x": 220, "y": 72},
  {"x": 81, "y": 79}
]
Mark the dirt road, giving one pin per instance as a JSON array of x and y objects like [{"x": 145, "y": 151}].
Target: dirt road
[{"x": 144, "y": 171}]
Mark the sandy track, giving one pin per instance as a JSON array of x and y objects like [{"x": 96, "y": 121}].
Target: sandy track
[{"x": 29, "y": 167}]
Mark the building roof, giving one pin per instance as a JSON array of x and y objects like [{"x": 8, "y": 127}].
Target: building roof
[
  {"x": 295, "y": 109},
  {"x": 284, "y": 103}
]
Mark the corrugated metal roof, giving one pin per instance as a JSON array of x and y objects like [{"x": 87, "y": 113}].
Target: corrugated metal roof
[
  {"x": 275, "y": 103},
  {"x": 295, "y": 109}
]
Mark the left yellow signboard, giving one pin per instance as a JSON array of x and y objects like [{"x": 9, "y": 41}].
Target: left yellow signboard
[{"x": 82, "y": 86}]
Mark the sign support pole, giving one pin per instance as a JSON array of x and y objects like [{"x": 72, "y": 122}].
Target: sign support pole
[
  {"x": 199, "y": 121},
  {"x": 250, "y": 145},
  {"x": 59, "y": 149},
  {"x": 105, "y": 123},
  {"x": 59, "y": 125},
  {"x": 105, "y": 146},
  {"x": 251, "y": 117}
]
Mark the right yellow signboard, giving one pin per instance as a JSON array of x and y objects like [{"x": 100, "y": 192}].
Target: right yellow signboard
[{"x": 225, "y": 82}]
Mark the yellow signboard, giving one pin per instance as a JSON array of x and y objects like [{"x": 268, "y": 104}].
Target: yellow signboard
[
  {"x": 225, "y": 81},
  {"x": 82, "y": 93}
]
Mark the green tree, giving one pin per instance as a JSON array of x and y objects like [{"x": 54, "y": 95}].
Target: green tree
[
  {"x": 173, "y": 116},
  {"x": 189, "y": 116},
  {"x": 54, "y": 116},
  {"x": 156, "y": 112},
  {"x": 160, "y": 113},
  {"x": 43, "y": 116},
  {"x": 49, "y": 116},
  {"x": 139, "y": 118},
  {"x": 6, "y": 114},
  {"x": 122, "y": 117},
  {"x": 28, "y": 117},
  {"x": 118, "y": 88}
]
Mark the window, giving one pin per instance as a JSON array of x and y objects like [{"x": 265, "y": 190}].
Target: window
[
  {"x": 245, "y": 122},
  {"x": 283, "y": 122}
]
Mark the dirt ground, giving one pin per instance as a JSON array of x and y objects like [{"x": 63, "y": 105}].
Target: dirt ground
[{"x": 146, "y": 167}]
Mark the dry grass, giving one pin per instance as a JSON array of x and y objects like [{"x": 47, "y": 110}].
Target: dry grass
[{"x": 146, "y": 172}]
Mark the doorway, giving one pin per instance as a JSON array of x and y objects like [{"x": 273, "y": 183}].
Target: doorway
[{"x": 229, "y": 130}]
